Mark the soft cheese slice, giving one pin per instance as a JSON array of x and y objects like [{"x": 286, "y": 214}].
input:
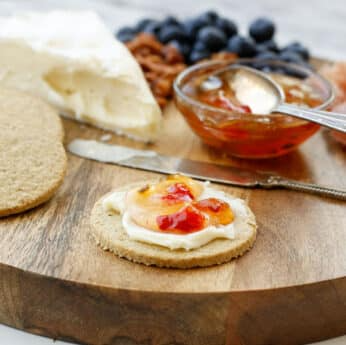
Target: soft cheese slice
[{"x": 73, "y": 61}]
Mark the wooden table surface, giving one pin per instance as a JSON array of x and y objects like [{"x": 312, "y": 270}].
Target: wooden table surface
[{"x": 322, "y": 27}]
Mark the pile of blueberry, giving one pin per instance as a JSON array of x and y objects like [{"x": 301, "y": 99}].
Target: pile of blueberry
[{"x": 197, "y": 38}]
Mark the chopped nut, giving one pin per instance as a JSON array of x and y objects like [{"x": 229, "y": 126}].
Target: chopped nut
[
  {"x": 160, "y": 64},
  {"x": 172, "y": 55}
]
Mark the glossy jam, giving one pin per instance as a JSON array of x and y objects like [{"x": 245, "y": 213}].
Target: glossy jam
[
  {"x": 196, "y": 216},
  {"x": 218, "y": 211},
  {"x": 241, "y": 133},
  {"x": 187, "y": 220},
  {"x": 178, "y": 192},
  {"x": 172, "y": 205}
]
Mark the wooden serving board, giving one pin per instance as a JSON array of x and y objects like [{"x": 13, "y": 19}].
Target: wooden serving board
[{"x": 289, "y": 289}]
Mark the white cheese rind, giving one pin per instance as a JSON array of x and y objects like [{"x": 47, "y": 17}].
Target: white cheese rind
[
  {"x": 71, "y": 60},
  {"x": 116, "y": 202}
]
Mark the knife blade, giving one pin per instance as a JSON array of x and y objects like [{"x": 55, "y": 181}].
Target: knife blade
[{"x": 152, "y": 161}]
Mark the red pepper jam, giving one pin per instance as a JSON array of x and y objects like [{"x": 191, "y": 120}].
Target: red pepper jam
[
  {"x": 242, "y": 133},
  {"x": 219, "y": 100},
  {"x": 188, "y": 219},
  {"x": 193, "y": 217},
  {"x": 219, "y": 211},
  {"x": 178, "y": 192},
  {"x": 211, "y": 205}
]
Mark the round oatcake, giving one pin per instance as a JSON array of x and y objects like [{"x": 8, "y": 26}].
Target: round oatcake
[
  {"x": 32, "y": 156},
  {"x": 28, "y": 115},
  {"x": 107, "y": 229}
]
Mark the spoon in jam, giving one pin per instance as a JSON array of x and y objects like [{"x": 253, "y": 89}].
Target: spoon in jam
[{"x": 264, "y": 96}]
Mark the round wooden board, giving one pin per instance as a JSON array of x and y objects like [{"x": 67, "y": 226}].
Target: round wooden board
[{"x": 289, "y": 289}]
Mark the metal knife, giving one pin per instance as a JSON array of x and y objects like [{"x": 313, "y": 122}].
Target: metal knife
[{"x": 152, "y": 161}]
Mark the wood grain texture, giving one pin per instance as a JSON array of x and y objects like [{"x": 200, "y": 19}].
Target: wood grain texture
[{"x": 289, "y": 289}]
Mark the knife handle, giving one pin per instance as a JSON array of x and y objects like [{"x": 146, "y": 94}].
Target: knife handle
[{"x": 276, "y": 181}]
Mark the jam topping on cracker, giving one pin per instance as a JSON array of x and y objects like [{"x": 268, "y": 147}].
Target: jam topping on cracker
[{"x": 175, "y": 205}]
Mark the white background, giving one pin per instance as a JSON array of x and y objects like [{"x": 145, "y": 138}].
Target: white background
[{"x": 320, "y": 24}]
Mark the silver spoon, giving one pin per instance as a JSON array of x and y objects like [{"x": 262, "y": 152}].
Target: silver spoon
[{"x": 265, "y": 84}]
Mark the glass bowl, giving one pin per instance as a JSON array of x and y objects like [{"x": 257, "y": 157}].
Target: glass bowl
[{"x": 247, "y": 135}]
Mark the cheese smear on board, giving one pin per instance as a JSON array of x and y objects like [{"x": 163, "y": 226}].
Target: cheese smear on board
[
  {"x": 73, "y": 61},
  {"x": 116, "y": 202}
]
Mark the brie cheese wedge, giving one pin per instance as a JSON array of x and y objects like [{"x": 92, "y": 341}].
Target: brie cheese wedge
[{"x": 71, "y": 60}]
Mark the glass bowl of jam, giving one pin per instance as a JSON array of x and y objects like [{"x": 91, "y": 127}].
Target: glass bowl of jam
[{"x": 210, "y": 107}]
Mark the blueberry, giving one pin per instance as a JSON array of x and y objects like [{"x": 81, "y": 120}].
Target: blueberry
[
  {"x": 126, "y": 34},
  {"x": 308, "y": 65},
  {"x": 192, "y": 26},
  {"x": 267, "y": 55},
  {"x": 268, "y": 45},
  {"x": 210, "y": 17},
  {"x": 289, "y": 56},
  {"x": 197, "y": 55},
  {"x": 262, "y": 29},
  {"x": 199, "y": 45},
  {"x": 305, "y": 64},
  {"x": 152, "y": 28},
  {"x": 295, "y": 73},
  {"x": 280, "y": 70},
  {"x": 125, "y": 37},
  {"x": 243, "y": 47},
  {"x": 126, "y": 30},
  {"x": 266, "y": 69},
  {"x": 227, "y": 26},
  {"x": 169, "y": 33},
  {"x": 171, "y": 21},
  {"x": 143, "y": 23},
  {"x": 260, "y": 49},
  {"x": 212, "y": 37},
  {"x": 299, "y": 49}
]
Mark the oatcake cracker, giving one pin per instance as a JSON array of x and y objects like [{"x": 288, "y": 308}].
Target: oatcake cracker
[
  {"x": 28, "y": 114},
  {"x": 107, "y": 229},
  {"x": 32, "y": 156}
]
